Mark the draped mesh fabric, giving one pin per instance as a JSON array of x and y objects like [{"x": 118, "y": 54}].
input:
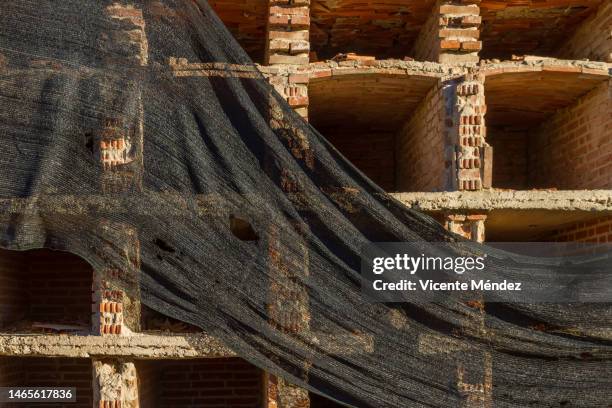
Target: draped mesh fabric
[{"x": 249, "y": 223}]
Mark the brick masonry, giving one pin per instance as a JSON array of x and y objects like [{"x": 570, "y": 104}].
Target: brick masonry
[
  {"x": 247, "y": 22},
  {"x": 573, "y": 149},
  {"x": 593, "y": 39},
  {"x": 13, "y": 303},
  {"x": 421, "y": 145},
  {"x": 214, "y": 383},
  {"x": 472, "y": 160},
  {"x": 292, "y": 86},
  {"x": 116, "y": 286},
  {"x": 595, "y": 231},
  {"x": 510, "y": 148},
  {"x": 459, "y": 32},
  {"x": 45, "y": 287},
  {"x": 451, "y": 34},
  {"x": 49, "y": 372},
  {"x": 288, "y": 39},
  {"x": 469, "y": 226}
]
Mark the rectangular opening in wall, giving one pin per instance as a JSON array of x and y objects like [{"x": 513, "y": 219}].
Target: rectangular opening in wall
[
  {"x": 219, "y": 383},
  {"x": 388, "y": 126},
  {"x": 49, "y": 372},
  {"x": 545, "y": 28},
  {"x": 45, "y": 291},
  {"x": 549, "y": 130}
]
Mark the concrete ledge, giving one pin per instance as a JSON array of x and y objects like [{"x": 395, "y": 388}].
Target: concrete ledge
[
  {"x": 137, "y": 346},
  {"x": 538, "y": 64},
  {"x": 567, "y": 200},
  {"x": 156, "y": 346}
]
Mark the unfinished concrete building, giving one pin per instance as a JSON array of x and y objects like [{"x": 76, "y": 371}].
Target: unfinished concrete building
[{"x": 493, "y": 116}]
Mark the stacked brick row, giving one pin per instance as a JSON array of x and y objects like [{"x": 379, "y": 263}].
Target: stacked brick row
[
  {"x": 288, "y": 32},
  {"x": 459, "y": 32}
]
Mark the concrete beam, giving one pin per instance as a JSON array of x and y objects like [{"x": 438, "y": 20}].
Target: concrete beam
[{"x": 570, "y": 200}]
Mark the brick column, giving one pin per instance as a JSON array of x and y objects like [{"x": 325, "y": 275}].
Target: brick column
[
  {"x": 475, "y": 387},
  {"x": 478, "y": 394},
  {"x": 473, "y": 157},
  {"x": 450, "y": 34},
  {"x": 459, "y": 31},
  {"x": 118, "y": 147},
  {"x": 288, "y": 43},
  {"x": 470, "y": 226},
  {"x": 115, "y": 384},
  {"x": 288, "y": 32},
  {"x": 116, "y": 287},
  {"x": 292, "y": 86},
  {"x": 288, "y": 310},
  {"x": 118, "y": 143}
]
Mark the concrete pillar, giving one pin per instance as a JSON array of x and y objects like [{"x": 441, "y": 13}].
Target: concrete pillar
[{"x": 115, "y": 384}]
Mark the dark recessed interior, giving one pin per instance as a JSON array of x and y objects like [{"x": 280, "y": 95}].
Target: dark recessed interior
[
  {"x": 214, "y": 382},
  {"x": 539, "y": 126},
  {"x": 45, "y": 291},
  {"x": 361, "y": 115}
]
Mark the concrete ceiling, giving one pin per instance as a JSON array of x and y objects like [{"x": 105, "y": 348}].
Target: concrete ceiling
[
  {"x": 365, "y": 101},
  {"x": 528, "y": 98}
]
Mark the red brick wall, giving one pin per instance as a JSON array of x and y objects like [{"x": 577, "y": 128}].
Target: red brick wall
[
  {"x": 427, "y": 44},
  {"x": 148, "y": 376},
  {"x": 420, "y": 147},
  {"x": 12, "y": 300},
  {"x": 573, "y": 149},
  {"x": 211, "y": 383},
  {"x": 592, "y": 40},
  {"x": 11, "y": 372},
  {"x": 59, "y": 287},
  {"x": 509, "y": 158},
  {"x": 596, "y": 231},
  {"x": 44, "y": 286},
  {"x": 372, "y": 153},
  {"x": 51, "y": 372}
]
